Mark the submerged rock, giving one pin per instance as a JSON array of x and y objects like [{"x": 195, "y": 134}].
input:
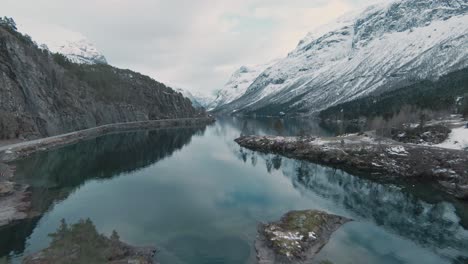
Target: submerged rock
[
  {"x": 15, "y": 199},
  {"x": 81, "y": 243},
  {"x": 297, "y": 237}
]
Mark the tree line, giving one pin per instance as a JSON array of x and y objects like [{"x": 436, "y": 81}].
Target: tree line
[{"x": 417, "y": 102}]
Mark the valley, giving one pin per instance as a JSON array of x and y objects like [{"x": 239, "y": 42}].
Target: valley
[{"x": 352, "y": 148}]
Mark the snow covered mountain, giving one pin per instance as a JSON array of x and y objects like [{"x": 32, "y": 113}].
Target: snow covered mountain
[
  {"x": 237, "y": 84},
  {"x": 198, "y": 100},
  {"x": 57, "y": 39},
  {"x": 80, "y": 51},
  {"x": 384, "y": 47}
]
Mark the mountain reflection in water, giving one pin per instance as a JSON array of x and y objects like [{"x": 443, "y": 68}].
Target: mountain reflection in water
[
  {"x": 53, "y": 175},
  {"x": 434, "y": 224},
  {"x": 198, "y": 197}
]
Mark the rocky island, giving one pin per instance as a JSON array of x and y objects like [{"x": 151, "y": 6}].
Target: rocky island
[
  {"x": 81, "y": 243},
  {"x": 378, "y": 158},
  {"x": 297, "y": 237}
]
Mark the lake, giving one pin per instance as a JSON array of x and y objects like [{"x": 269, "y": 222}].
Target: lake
[{"x": 198, "y": 197}]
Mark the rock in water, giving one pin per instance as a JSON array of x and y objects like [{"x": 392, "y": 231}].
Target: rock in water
[
  {"x": 15, "y": 202},
  {"x": 81, "y": 243},
  {"x": 297, "y": 237}
]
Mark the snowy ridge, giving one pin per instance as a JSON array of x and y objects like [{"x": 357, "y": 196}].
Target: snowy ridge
[
  {"x": 203, "y": 99},
  {"x": 57, "y": 39},
  {"x": 383, "y": 47},
  {"x": 190, "y": 96},
  {"x": 198, "y": 100},
  {"x": 237, "y": 85},
  {"x": 81, "y": 51}
]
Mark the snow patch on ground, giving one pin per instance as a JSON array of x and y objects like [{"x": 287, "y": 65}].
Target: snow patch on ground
[
  {"x": 397, "y": 150},
  {"x": 287, "y": 235},
  {"x": 320, "y": 142},
  {"x": 458, "y": 139}
]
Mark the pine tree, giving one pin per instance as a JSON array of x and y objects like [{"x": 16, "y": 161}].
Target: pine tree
[
  {"x": 464, "y": 106},
  {"x": 115, "y": 236},
  {"x": 9, "y": 22}
]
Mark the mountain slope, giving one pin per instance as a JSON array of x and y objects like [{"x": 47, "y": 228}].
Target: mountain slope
[
  {"x": 382, "y": 48},
  {"x": 204, "y": 99},
  {"x": 190, "y": 96},
  {"x": 449, "y": 93},
  {"x": 198, "y": 100},
  {"x": 43, "y": 94},
  {"x": 237, "y": 85}
]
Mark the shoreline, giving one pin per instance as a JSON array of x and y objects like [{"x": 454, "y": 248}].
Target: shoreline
[
  {"x": 9, "y": 153},
  {"x": 380, "y": 159},
  {"x": 15, "y": 199}
]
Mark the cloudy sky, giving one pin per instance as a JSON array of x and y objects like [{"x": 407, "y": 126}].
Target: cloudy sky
[{"x": 193, "y": 44}]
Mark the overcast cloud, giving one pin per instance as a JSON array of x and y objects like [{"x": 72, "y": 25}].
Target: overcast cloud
[{"x": 193, "y": 44}]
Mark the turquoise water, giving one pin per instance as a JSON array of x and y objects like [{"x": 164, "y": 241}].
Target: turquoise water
[{"x": 197, "y": 196}]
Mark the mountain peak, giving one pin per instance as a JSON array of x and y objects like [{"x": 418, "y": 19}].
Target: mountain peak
[
  {"x": 238, "y": 84},
  {"x": 379, "y": 48},
  {"x": 57, "y": 39},
  {"x": 81, "y": 51}
]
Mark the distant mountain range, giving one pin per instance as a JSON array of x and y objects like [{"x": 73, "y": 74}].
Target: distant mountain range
[
  {"x": 381, "y": 48},
  {"x": 237, "y": 85},
  {"x": 198, "y": 100}
]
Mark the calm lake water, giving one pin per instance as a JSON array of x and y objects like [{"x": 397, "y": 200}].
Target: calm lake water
[{"x": 197, "y": 196}]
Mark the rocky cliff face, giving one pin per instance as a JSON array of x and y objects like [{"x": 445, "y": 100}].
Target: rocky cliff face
[
  {"x": 382, "y": 48},
  {"x": 43, "y": 94}
]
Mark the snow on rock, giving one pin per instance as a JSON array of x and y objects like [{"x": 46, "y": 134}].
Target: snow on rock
[
  {"x": 458, "y": 139},
  {"x": 298, "y": 236},
  {"x": 384, "y": 47},
  {"x": 397, "y": 150}
]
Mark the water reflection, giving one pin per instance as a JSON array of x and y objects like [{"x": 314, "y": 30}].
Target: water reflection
[
  {"x": 196, "y": 249},
  {"x": 12, "y": 238},
  {"x": 55, "y": 174},
  {"x": 102, "y": 158},
  {"x": 201, "y": 202},
  {"x": 272, "y": 126},
  {"x": 435, "y": 224}
]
